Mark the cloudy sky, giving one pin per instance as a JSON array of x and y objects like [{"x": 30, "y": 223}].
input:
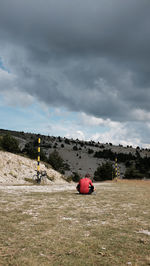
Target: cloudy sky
[{"x": 77, "y": 69}]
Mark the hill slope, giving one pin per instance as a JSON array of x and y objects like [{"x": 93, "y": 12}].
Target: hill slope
[
  {"x": 80, "y": 156},
  {"x": 14, "y": 169}
]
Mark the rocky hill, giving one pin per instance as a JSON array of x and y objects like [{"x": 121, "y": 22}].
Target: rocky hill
[
  {"x": 15, "y": 169},
  {"x": 80, "y": 156}
]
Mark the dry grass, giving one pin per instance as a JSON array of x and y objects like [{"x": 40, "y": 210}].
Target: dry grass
[{"x": 64, "y": 228}]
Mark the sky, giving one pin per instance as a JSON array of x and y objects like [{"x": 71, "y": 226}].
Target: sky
[{"x": 76, "y": 69}]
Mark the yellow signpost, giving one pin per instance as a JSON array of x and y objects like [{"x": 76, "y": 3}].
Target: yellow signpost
[
  {"x": 116, "y": 169},
  {"x": 38, "y": 160}
]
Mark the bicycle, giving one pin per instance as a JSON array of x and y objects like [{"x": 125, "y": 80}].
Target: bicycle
[{"x": 40, "y": 177}]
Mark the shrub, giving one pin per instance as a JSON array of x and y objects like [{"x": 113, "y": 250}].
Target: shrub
[
  {"x": 75, "y": 148},
  {"x": 31, "y": 150},
  {"x": 59, "y": 139},
  {"x": 104, "y": 172},
  {"x": 67, "y": 141},
  {"x": 8, "y": 143},
  {"x": 81, "y": 144},
  {"x": 55, "y": 146},
  {"x": 66, "y": 166},
  {"x": 56, "y": 161},
  {"x": 109, "y": 154},
  {"x": 0, "y": 142},
  {"x": 106, "y": 154},
  {"x": 102, "y": 147},
  {"x": 133, "y": 173},
  {"x": 90, "y": 151},
  {"x": 69, "y": 179},
  {"x": 75, "y": 177}
]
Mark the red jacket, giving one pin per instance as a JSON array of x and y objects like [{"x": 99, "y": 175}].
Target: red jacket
[{"x": 84, "y": 184}]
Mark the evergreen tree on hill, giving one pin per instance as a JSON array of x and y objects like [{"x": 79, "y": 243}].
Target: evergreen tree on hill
[
  {"x": 56, "y": 161},
  {"x": 104, "y": 172},
  {"x": 10, "y": 144}
]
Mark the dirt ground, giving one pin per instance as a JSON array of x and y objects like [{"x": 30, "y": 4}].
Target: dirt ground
[
  {"x": 15, "y": 189},
  {"x": 56, "y": 187},
  {"x": 54, "y": 225}
]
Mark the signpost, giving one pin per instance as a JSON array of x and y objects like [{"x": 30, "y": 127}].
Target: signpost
[
  {"x": 38, "y": 161},
  {"x": 116, "y": 169}
]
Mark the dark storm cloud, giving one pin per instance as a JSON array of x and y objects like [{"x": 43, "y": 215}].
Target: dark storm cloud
[{"x": 91, "y": 56}]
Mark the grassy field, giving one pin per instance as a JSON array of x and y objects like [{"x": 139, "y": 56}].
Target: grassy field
[{"x": 64, "y": 228}]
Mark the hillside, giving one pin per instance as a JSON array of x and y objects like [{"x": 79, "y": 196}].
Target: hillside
[
  {"x": 80, "y": 156},
  {"x": 15, "y": 169}
]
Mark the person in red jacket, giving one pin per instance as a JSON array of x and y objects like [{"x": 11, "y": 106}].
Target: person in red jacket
[{"x": 85, "y": 185}]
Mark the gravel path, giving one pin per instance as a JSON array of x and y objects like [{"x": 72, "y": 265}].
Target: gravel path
[
  {"x": 44, "y": 188},
  {"x": 37, "y": 188}
]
